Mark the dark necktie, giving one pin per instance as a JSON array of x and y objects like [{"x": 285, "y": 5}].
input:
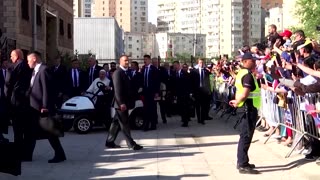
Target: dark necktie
[
  {"x": 91, "y": 75},
  {"x": 127, "y": 74},
  {"x": 75, "y": 78},
  {"x": 146, "y": 77},
  {"x": 201, "y": 78}
]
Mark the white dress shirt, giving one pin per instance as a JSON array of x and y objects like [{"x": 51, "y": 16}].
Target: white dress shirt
[{"x": 35, "y": 72}]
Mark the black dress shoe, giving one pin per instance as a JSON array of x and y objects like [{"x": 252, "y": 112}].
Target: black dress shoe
[
  {"x": 137, "y": 147},
  {"x": 57, "y": 159},
  {"x": 252, "y": 166},
  {"x": 112, "y": 145},
  {"x": 153, "y": 128},
  {"x": 164, "y": 122},
  {"x": 247, "y": 170},
  {"x": 209, "y": 118},
  {"x": 203, "y": 123}
]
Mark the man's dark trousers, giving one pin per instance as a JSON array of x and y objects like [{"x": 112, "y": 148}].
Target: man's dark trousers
[
  {"x": 247, "y": 128},
  {"x": 120, "y": 122},
  {"x": 150, "y": 111}
]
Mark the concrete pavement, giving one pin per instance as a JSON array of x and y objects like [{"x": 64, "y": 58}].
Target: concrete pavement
[{"x": 199, "y": 152}]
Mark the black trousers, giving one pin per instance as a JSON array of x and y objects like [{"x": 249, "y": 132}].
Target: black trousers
[
  {"x": 149, "y": 111},
  {"x": 202, "y": 105},
  {"x": 247, "y": 127},
  {"x": 184, "y": 108},
  {"x": 120, "y": 122},
  {"x": 26, "y": 132},
  {"x": 4, "y": 116}
]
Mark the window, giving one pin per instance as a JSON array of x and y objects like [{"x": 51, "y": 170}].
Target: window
[
  {"x": 102, "y": 2},
  {"x": 103, "y": 8},
  {"x": 120, "y": 2},
  {"x": 137, "y": 49},
  {"x": 120, "y": 8},
  {"x": 137, "y": 41},
  {"x": 130, "y": 38},
  {"x": 69, "y": 31},
  {"x": 25, "y": 9},
  {"x": 61, "y": 28},
  {"x": 120, "y": 14},
  {"x": 103, "y": 14},
  {"x": 130, "y": 46},
  {"x": 38, "y": 12}
]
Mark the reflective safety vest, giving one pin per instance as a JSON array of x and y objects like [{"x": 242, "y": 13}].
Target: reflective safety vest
[{"x": 255, "y": 95}]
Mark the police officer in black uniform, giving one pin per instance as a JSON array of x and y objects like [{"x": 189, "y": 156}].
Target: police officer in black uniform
[{"x": 247, "y": 95}]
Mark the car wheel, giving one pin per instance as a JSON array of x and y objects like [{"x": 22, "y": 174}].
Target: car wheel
[
  {"x": 82, "y": 125},
  {"x": 136, "y": 119}
]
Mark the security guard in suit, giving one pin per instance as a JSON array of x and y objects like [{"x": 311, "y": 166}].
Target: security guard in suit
[{"x": 247, "y": 95}]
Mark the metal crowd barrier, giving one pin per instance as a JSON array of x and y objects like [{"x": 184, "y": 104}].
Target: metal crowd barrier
[{"x": 292, "y": 119}]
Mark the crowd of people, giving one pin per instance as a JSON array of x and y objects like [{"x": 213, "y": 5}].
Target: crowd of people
[
  {"x": 268, "y": 76},
  {"x": 287, "y": 71}
]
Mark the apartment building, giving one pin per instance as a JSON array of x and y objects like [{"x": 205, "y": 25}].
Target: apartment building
[
  {"x": 172, "y": 44},
  {"x": 269, "y": 4},
  {"x": 133, "y": 45},
  {"x": 49, "y": 30},
  {"x": 275, "y": 17},
  {"x": 228, "y": 24},
  {"x": 132, "y": 15},
  {"x": 82, "y": 8}
]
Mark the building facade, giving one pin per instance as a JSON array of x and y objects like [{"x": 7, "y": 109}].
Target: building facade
[
  {"x": 133, "y": 45},
  {"x": 290, "y": 19},
  {"x": 269, "y": 4},
  {"x": 82, "y": 8},
  {"x": 228, "y": 24},
  {"x": 48, "y": 30},
  {"x": 105, "y": 40},
  {"x": 175, "y": 44},
  {"x": 132, "y": 15},
  {"x": 275, "y": 17}
]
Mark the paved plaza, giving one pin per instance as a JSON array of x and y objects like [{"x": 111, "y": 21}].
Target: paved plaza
[{"x": 200, "y": 152}]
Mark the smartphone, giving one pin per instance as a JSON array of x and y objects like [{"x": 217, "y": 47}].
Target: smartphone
[{"x": 294, "y": 61}]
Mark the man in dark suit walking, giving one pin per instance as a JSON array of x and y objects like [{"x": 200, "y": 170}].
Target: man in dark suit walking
[
  {"x": 182, "y": 91},
  {"x": 151, "y": 88},
  {"x": 123, "y": 101},
  {"x": 201, "y": 85},
  {"x": 76, "y": 80},
  {"x": 17, "y": 86},
  {"x": 93, "y": 70},
  {"x": 59, "y": 73},
  {"x": 41, "y": 104}
]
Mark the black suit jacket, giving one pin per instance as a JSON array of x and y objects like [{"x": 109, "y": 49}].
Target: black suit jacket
[
  {"x": 196, "y": 81},
  {"x": 137, "y": 82},
  {"x": 82, "y": 81},
  {"x": 153, "y": 81},
  {"x": 18, "y": 84},
  {"x": 182, "y": 84},
  {"x": 2, "y": 84},
  {"x": 41, "y": 91},
  {"x": 59, "y": 79},
  {"x": 95, "y": 74},
  {"x": 123, "y": 92},
  {"x": 167, "y": 78}
]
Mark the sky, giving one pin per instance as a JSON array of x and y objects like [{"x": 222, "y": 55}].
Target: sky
[{"x": 152, "y": 11}]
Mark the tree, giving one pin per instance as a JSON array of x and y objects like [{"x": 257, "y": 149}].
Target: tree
[{"x": 308, "y": 11}]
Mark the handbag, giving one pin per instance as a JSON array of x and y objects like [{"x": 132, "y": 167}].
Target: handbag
[
  {"x": 10, "y": 163},
  {"x": 50, "y": 125}
]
